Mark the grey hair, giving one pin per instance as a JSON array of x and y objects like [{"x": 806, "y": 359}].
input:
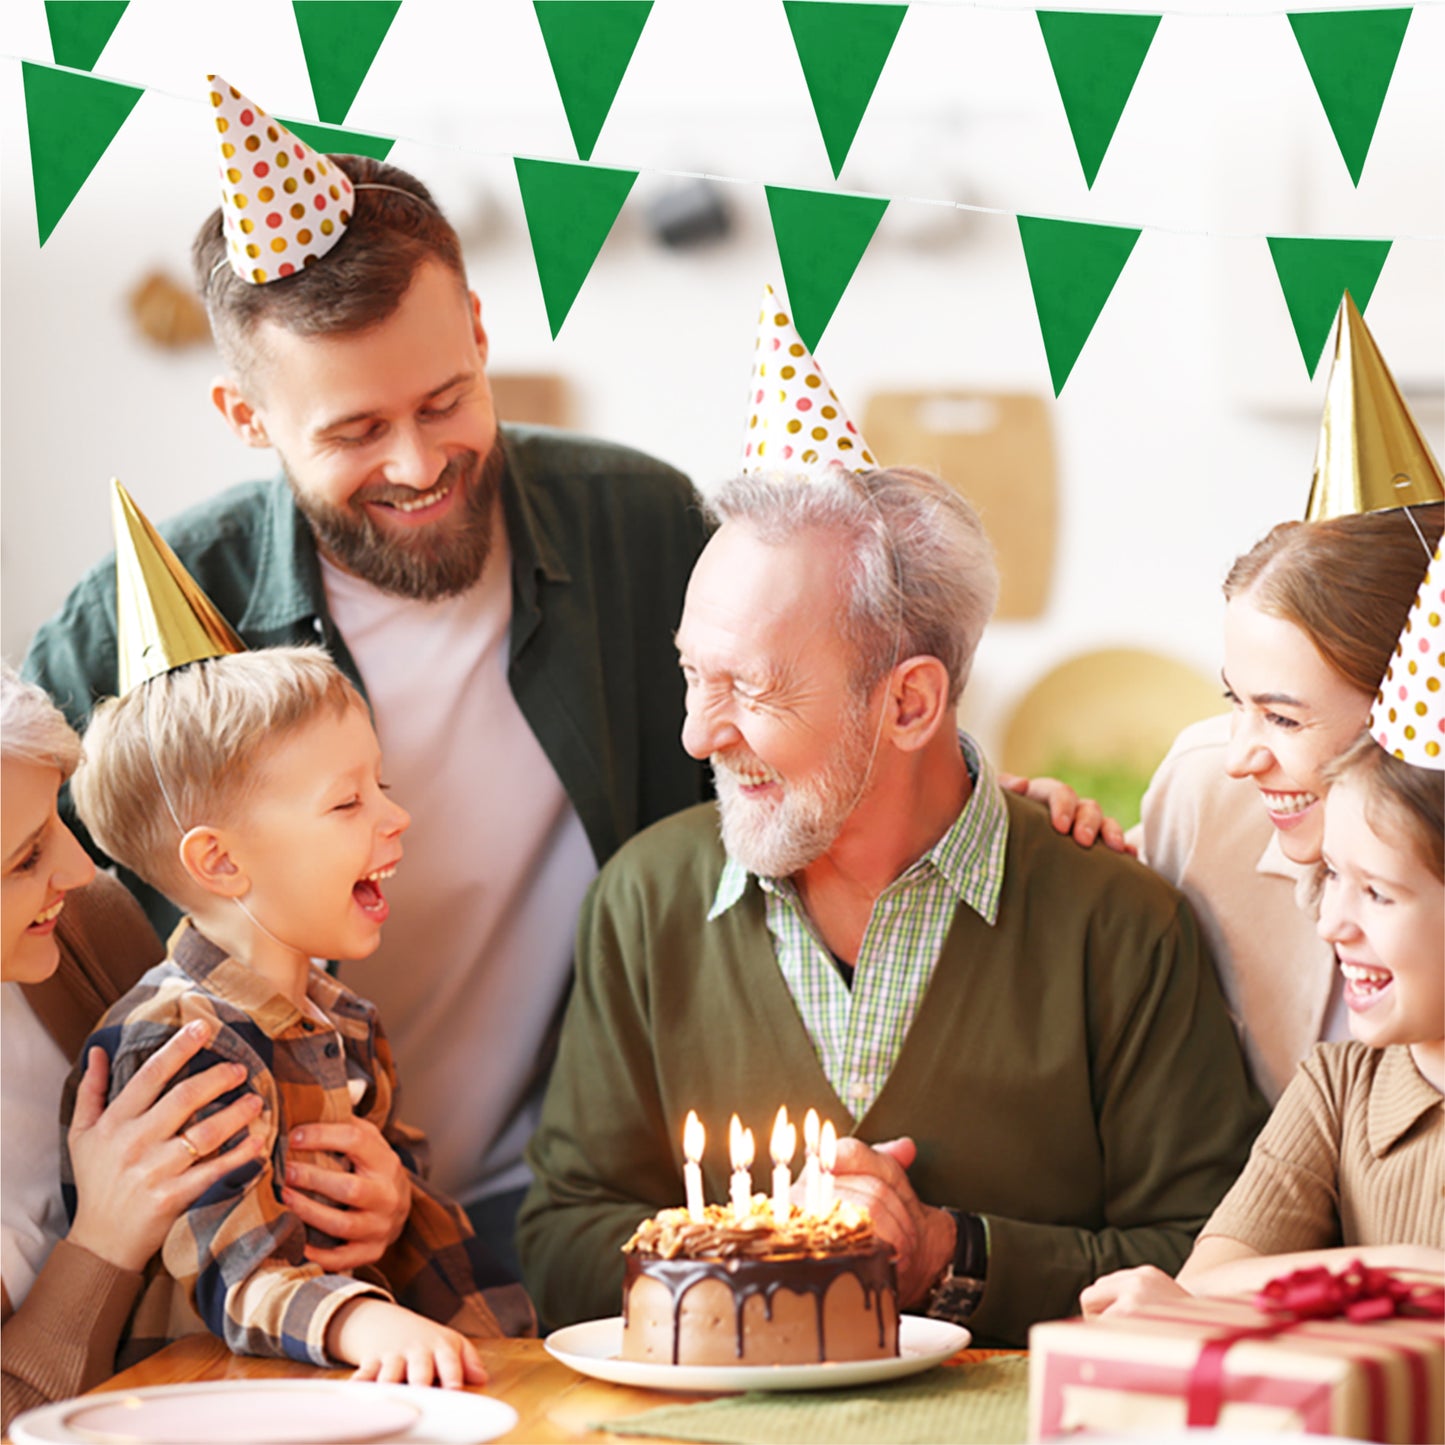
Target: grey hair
[
  {"x": 920, "y": 579},
  {"x": 32, "y": 728}
]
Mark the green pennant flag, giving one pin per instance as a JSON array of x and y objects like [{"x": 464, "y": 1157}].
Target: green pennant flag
[
  {"x": 590, "y": 43},
  {"x": 1351, "y": 56},
  {"x": 80, "y": 28},
  {"x": 821, "y": 237},
  {"x": 72, "y": 119},
  {"x": 843, "y": 48},
  {"x": 1073, "y": 266},
  {"x": 327, "y": 138},
  {"x": 1096, "y": 59},
  {"x": 570, "y": 209},
  {"x": 1314, "y": 273},
  {"x": 339, "y": 39}
]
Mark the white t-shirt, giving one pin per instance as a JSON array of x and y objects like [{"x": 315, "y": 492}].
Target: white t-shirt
[
  {"x": 32, "y": 1073},
  {"x": 477, "y": 953}
]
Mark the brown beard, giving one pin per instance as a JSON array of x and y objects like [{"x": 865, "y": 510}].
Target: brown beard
[{"x": 428, "y": 564}]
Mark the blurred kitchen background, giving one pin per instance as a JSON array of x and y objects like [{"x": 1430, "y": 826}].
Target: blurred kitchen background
[{"x": 1186, "y": 429}]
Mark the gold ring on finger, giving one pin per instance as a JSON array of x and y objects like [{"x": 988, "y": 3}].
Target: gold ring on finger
[{"x": 186, "y": 1140}]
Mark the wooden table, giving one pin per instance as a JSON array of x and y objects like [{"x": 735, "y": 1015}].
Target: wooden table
[{"x": 552, "y": 1402}]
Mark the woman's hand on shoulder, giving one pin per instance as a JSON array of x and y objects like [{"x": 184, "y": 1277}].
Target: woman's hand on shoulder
[
  {"x": 1080, "y": 818},
  {"x": 138, "y": 1163}
]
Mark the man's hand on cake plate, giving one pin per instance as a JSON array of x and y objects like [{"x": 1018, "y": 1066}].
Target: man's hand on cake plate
[
  {"x": 372, "y": 1200},
  {"x": 923, "y": 1237}
]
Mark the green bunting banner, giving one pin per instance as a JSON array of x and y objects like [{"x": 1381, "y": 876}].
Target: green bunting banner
[
  {"x": 1314, "y": 273},
  {"x": 1096, "y": 60},
  {"x": 1073, "y": 266},
  {"x": 570, "y": 210},
  {"x": 329, "y": 138},
  {"x": 821, "y": 237},
  {"x": 842, "y": 48},
  {"x": 340, "y": 39},
  {"x": 590, "y": 45},
  {"x": 1351, "y": 56},
  {"x": 80, "y": 28},
  {"x": 71, "y": 118}
]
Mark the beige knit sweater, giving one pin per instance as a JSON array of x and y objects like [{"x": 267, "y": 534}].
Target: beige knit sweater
[{"x": 1354, "y": 1154}]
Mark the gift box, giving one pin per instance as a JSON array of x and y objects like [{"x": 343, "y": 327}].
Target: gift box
[{"x": 1243, "y": 1364}]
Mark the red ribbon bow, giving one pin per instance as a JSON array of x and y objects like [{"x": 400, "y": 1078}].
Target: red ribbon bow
[{"x": 1358, "y": 1294}]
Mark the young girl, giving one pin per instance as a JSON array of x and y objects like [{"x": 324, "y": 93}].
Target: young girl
[{"x": 1349, "y": 1164}]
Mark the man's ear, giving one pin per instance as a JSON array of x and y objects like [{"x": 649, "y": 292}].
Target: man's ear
[
  {"x": 240, "y": 415},
  {"x": 478, "y": 330},
  {"x": 206, "y": 857},
  {"x": 918, "y": 701}
]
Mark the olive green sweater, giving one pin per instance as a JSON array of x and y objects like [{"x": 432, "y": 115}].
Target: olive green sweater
[{"x": 1071, "y": 1075}]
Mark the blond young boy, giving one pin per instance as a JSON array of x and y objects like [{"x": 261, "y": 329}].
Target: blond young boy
[{"x": 248, "y": 790}]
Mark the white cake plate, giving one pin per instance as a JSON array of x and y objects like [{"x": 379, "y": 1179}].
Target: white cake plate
[{"x": 593, "y": 1349}]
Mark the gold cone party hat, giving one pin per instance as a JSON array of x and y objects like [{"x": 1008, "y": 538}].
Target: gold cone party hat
[
  {"x": 162, "y": 619},
  {"x": 1408, "y": 718},
  {"x": 1371, "y": 454},
  {"x": 795, "y": 421},
  {"x": 282, "y": 204}
]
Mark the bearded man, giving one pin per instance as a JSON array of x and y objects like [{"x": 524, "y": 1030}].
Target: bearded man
[
  {"x": 1023, "y": 1040},
  {"x": 504, "y": 596}
]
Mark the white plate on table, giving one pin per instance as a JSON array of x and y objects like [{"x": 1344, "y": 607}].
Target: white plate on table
[
  {"x": 594, "y": 1348},
  {"x": 268, "y": 1412}
]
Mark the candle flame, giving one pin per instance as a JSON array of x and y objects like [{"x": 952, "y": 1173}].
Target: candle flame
[
  {"x": 828, "y": 1147},
  {"x": 694, "y": 1138},
  {"x": 784, "y": 1142},
  {"x": 740, "y": 1145},
  {"x": 743, "y": 1155},
  {"x": 810, "y": 1131}
]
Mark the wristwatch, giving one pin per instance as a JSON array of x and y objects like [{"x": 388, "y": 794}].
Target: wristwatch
[{"x": 959, "y": 1288}]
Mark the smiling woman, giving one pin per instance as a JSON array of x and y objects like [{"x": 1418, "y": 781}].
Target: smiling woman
[{"x": 1314, "y": 610}]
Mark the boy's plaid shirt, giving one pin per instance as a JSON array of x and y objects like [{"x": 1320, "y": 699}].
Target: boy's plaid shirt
[{"x": 234, "y": 1262}]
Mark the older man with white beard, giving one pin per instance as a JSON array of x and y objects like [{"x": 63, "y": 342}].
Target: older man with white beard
[{"x": 1023, "y": 1040}]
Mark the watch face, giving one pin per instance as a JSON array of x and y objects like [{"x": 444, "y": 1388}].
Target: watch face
[{"x": 970, "y": 1255}]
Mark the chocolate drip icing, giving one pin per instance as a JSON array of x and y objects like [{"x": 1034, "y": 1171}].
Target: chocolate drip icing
[{"x": 812, "y": 1274}]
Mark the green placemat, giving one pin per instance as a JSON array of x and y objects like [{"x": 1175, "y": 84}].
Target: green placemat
[{"x": 979, "y": 1403}]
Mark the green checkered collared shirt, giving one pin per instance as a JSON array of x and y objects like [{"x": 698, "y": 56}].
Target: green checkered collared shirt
[{"x": 859, "y": 1032}]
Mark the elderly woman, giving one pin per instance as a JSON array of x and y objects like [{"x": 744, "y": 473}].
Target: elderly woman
[{"x": 69, "y": 947}]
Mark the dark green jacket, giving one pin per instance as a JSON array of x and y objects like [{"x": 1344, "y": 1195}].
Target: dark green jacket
[
  {"x": 603, "y": 540},
  {"x": 1071, "y": 1075}
]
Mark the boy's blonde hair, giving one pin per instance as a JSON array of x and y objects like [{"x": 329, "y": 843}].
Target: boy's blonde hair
[
  {"x": 211, "y": 724},
  {"x": 1401, "y": 800}
]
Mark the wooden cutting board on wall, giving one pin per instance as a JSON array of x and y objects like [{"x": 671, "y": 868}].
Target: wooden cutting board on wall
[{"x": 997, "y": 449}]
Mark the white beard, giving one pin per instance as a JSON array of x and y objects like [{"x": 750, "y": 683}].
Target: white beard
[{"x": 776, "y": 838}]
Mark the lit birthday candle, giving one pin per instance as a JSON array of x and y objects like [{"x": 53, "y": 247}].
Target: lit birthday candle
[
  {"x": 782, "y": 1147},
  {"x": 740, "y": 1148},
  {"x": 827, "y": 1160},
  {"x": 811, "y": 1178},
  {"x": 694, "y": 1140}
]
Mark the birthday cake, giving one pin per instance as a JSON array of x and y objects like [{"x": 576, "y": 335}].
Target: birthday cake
[{"x": 758, "y": 1291}]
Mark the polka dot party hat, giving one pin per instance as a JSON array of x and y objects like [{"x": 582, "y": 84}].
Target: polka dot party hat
[
  {"x": 795, "y": 421},
  {"x": 282, "y": 204},
  {"x": 1408, "y": 718}
]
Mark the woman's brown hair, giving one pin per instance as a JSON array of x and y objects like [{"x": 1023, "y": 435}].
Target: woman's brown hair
[{"x": 1346, "y": 583}]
